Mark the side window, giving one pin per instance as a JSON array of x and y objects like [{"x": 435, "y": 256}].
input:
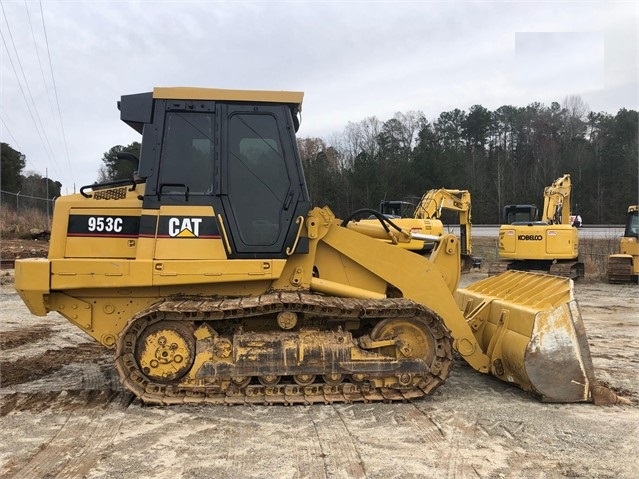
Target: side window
[
  {"x": 187, "y": 154},
  {"x": 633, "y": 226},
  {"x": 258, "y": 182}
]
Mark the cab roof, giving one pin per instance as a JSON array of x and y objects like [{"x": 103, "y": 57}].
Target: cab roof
[{"x": 195, "y": 93}]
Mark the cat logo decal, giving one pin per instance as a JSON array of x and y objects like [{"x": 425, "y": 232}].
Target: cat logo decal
[{"x": 184, "y": 227}]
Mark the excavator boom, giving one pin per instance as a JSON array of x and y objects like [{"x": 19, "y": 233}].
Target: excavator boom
[
  {"x": 557, "y": 201},
  {"x": 434, "y": 202}
]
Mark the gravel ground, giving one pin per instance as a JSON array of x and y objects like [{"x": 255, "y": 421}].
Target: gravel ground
[{"x": 64, "y": 415}]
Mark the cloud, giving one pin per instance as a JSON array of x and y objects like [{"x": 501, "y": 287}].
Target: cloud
[
  {"x": 559, "y": 61},
  {"x": 352, "y": 59}
]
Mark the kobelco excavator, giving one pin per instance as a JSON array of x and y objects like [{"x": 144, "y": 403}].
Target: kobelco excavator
[
  {"x": 214, "y": 280},
  {"x": 550, "y": 244}
]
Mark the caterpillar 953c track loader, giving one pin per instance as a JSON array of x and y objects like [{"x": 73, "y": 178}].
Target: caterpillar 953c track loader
[{"x": 213, "y": 279}]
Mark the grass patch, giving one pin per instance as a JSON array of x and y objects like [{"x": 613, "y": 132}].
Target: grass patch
[{"x": 17, "y": 225}]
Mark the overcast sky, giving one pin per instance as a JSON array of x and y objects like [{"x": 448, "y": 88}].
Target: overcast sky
[{"x": 352, "y": 60}]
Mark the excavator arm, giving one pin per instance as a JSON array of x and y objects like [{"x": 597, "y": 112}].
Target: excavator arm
[
  {"x": 435, "y": 201},
  {"x": 557, "y": 202}
]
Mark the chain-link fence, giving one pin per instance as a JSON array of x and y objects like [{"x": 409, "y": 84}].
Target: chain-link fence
[{"x": 21, "y": 203}]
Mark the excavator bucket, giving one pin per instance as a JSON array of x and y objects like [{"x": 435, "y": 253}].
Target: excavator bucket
[{"x": 530, "y": 326}]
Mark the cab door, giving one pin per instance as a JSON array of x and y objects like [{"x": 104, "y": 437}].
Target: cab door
[{"x": 262, "y": 192}]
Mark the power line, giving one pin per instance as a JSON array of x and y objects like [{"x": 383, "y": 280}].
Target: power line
[
  {"x": 25, "y": 97},
  {"x": 45, "y": 141},
  {"x": 28, "y": 164},
  {"x": 12, "y": 137},
  {"x": 35, "y": 45},
  {"x": 55, "y": 90}
]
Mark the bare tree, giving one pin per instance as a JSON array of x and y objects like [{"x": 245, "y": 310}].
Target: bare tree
[
  {"x": 576, "y": 115},
  {"x": 361, "y": 137}
]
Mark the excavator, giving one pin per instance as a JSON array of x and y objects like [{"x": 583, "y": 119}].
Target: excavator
[
  {"x": 624, "y": 266},
  {"x": 424, "y": 220},
  {"x": 433, "y": 203},
  {"x": 214, "y": 280},
  {"x": 550, "y": 244}
]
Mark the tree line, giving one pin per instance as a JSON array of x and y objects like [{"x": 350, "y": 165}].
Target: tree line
[
  {"x": 24, "y": 189},
  {"x": 505, "y": 156}
]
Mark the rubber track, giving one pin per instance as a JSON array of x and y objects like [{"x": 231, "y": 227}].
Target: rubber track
[{"x": 212, "y": 310}]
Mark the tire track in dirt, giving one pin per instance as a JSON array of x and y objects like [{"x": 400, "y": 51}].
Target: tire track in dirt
[
  {"x": 35, "y": 367},
  {"x": 85, "y": 435},
  {"x": 310, "y": 455},
  {"x": 466, "y": 443},
  {"x": 446, "y": 432},
  {"x": 338, "y": 448}
]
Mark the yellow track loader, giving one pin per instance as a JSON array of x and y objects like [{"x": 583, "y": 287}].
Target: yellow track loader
[
  {"x": 624, "y": 266},
  {"x": 214, "y": 281}
]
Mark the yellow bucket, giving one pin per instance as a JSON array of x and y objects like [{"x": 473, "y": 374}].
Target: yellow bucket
[{"x": 530, "y": 326}]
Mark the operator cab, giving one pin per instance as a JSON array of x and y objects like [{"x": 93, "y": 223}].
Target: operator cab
[
  {"x": 521, "y": 215},
  {"x": 232, "y": 150},
  {"x": 632, "y": 223}
]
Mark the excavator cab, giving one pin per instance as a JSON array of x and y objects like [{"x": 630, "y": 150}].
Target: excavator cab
[
  {"x": 520, "y": 214},
  {"x": 396, "y": 208}
]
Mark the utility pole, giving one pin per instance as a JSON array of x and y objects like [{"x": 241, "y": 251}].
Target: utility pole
[{"x": 46, "y": 179}]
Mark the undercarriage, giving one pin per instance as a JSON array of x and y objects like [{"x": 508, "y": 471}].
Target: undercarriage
[{"x": 283, "y": 347}]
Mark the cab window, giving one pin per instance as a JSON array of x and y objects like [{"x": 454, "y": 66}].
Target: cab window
[{"x": 187, "y": 154}]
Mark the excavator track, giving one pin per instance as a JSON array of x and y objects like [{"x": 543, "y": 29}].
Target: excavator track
[
  {"x": 568, "y": 269},
  {"x": 283, "y": 348}
]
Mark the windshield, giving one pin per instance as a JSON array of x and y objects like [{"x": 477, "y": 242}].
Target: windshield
[{"x": 187, "y": 153}]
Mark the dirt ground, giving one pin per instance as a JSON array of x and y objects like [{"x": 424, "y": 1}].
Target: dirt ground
[
  {"x": 19, "y": 248},
  {"x": 64, "y": 415}
]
